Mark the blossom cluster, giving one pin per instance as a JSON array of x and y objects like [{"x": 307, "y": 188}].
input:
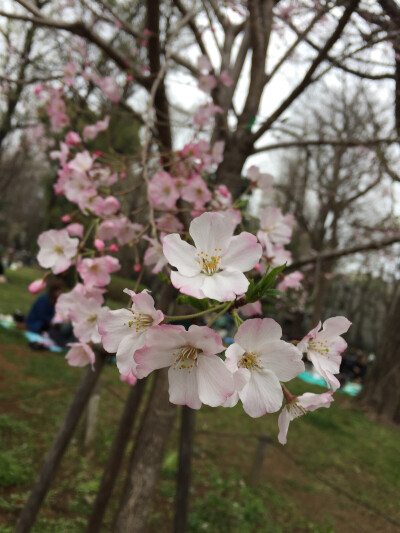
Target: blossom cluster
[{"x": 208, "y": 260}]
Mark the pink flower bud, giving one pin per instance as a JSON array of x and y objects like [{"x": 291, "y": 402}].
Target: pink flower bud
[
  {"x": 137, "y": 267},
  {"x": 99, "y": 245},
  {"x": 122, "y": 175},
  {"x": 129, "y": 78},
  {"x": 113, "y": 248},
  {"x": 37, "y": 286},
  {"x": 66, "y": 219},
  {"x": 257, "y": 267}
]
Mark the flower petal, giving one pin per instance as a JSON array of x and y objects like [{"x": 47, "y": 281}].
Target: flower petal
[
  {"x": 191, "y": 286},
  {"x": 159, "y": 350},
  {"x": 263, "y": 394},
  {"x": 215, "y": 382},
  {"x": 211, "y": 232},
  {"x": 181, "y": 255},
  {"x": 225, "y": 285},
  {"x": 183, "y": 388},
  {"x": 243, "y": 253},
  {"x": 255, "y": 333}
]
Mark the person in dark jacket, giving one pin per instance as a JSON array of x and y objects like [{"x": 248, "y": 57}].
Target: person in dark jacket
[{"x": 39, "y": 319}]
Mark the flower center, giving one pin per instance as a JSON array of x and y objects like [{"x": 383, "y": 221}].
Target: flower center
[
  {"x": 321, "y": 347},
  {"x": 91, "y": 319},
  {"x": 251, "y": 361},
  {"x": 140, "y": 321},
  {"x": 58, "y": 250},
  {"x": 186, "y": 358},
  {"x": 295, "y": 409},
  {"x": 209, "y": 264}
]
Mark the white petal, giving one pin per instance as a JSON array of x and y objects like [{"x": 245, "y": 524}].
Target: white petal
[
  {"x": 215, "y": 382},
  {"x": 243, "y": 253},
  {"x": 191, "y": 286},
  {"x": 183, "y": 388},
  {"x": 211, "y": 231},
  {"x": 263, "y": 394},
  {"x": 225, "y": 285},
  {"x": 181, "y": 255},
  {"x": 255, "y": 333},
  {"x": 283, "y": 424}
]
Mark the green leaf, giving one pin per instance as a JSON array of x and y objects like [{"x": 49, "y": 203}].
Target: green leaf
[
  {"x": 201, "y": 305},
  {"x": 258, "y": 290}
]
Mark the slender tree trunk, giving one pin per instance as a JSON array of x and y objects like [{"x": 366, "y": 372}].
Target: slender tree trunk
[
  {"x": 381, "y": 392},
  {"x": 53, "y": 459},
  {"x": 185, "y": 460},
  {"x": 147, "y": 458},
  {"x": 116, "y": 456}
]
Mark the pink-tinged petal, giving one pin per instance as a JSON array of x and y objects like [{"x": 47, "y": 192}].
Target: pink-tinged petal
[
  {"x": 283, "y": 359},
  {"x": 80, "y": 354},
  {"x": 183, "y": 388},
  {"x": 302, "y": 345},
  {"x": 263, "y": 394},
  {"x": 215, "y": 382},
  {"x": 336, "y": 325},
  {"x": 126, "y": 349},
  {"x": 283, "y": 424},
  {"x": 144, "y": 304},
  {"x": 211, "y": 232},
  {"x": 327, "y": 368},
  {"x": 233, "y": 355},
  {"x": 191, "y": 286},
  {"x": 113, "y": 327},
  {"x": 243, "y": 253},
  {"x": 225, "y": 285},
  {"x": 37, "y": 286},
  {"x": 181, "y": 255},
  {"x": 160, "y": 350},
  {"x": 255, "y": 333},
  {"x": 252, "y": 309},
  {"x": 311, "y": 401},
  {"x": 232, "y": 400},
  {"x": 206, "y": 339}
]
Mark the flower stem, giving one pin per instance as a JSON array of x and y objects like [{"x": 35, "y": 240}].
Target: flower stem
[
  {"x": 194, "y": 315},
  {"x": 222, "y": 312}
]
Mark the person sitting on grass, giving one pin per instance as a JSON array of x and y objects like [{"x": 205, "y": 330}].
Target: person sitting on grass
[{"x": 41, "y": 316}]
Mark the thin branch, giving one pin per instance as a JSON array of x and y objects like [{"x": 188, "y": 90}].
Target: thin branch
[
  {"x": 308, "y": 78},
  {"x": 324, "y": 142},
  {"x": 336, "y": 254}
]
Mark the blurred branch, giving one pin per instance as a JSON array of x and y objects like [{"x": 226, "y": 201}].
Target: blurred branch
[
  {"x": 324, "y": 142},
  {"x": 336, "y": 254}
]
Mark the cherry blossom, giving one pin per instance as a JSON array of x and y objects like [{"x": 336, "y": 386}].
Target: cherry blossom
[
  {"x": 57, "y": 250},
  {"x": 96, "y": 272},
  {"x": 37, "y": 286},
  {"x": 196, "y": 374},
  {"x": 275, "y": 227},
  {"x": 259, "y": 360},
  {"x": 291, "y": 281},
  {"x": 214, "y": 267},
  {"x": 84, "y": 314},
  {"x": 124, "y": 331},
  {"x": 324, "y": 348},
  {"x": 154, "y": 255},
  {"x": 298, "y": 406},
  {"x": 163, "y": 193},
  {"x": 80, "y": 354},
  {"x": 263, "y": 181}
]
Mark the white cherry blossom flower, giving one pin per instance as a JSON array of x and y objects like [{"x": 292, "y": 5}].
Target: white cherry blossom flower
[
  {"x": 214, "y": 267},
  {"x": 324, "y": 347}
]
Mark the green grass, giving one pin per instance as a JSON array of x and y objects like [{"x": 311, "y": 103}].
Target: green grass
[{"x": 338, "y": 472}]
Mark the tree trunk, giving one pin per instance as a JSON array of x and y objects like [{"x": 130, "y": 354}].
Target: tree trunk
[
  {"x": 381, "y": 392},
  {"x": 147, "y": 458},
  {"x": 53, "y": 459}
]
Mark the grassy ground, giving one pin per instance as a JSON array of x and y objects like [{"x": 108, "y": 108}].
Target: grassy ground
[{"x": 338, "y": 473}]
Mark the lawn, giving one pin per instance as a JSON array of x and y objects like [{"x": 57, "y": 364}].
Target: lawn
[{"x": 338, "y": 473}]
